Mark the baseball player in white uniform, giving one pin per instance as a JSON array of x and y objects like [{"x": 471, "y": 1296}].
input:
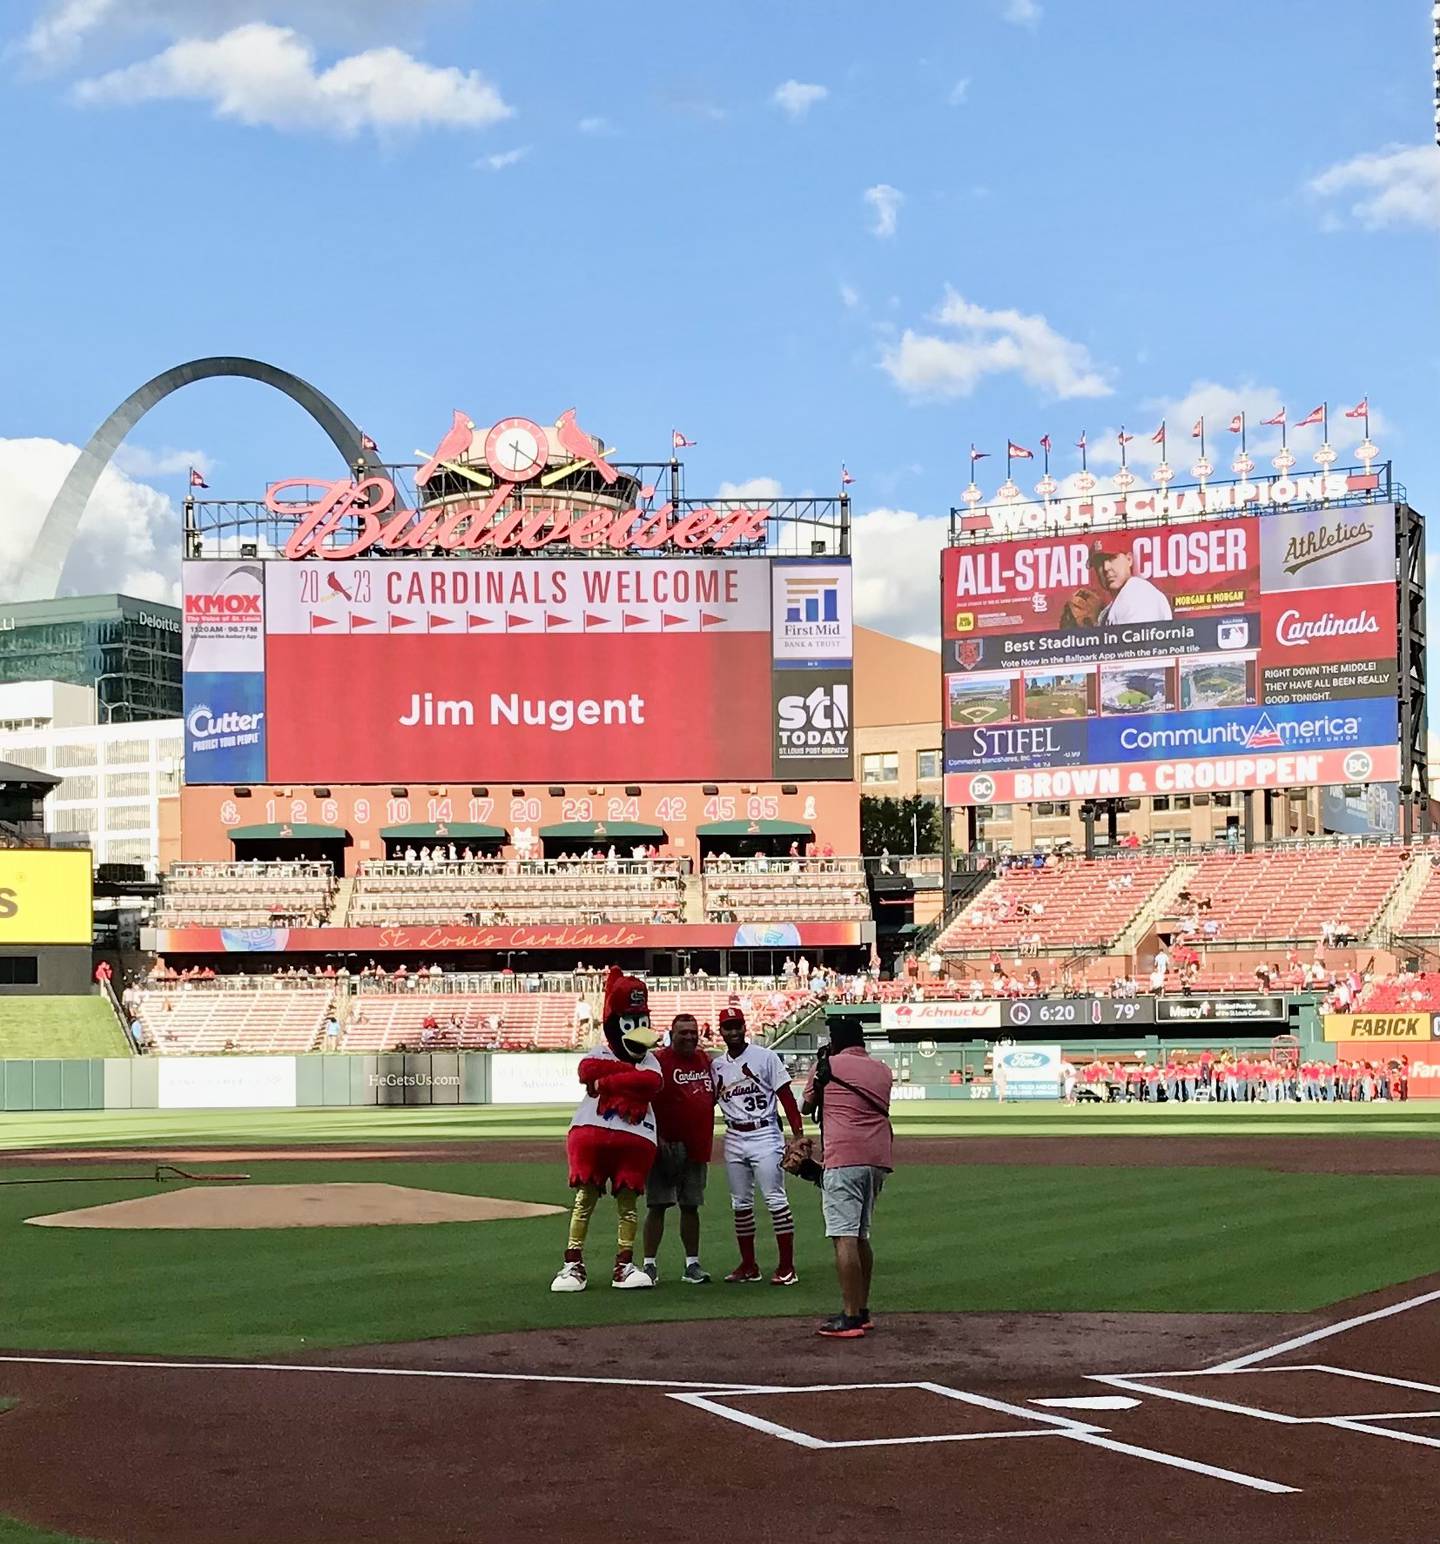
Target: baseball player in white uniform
[{"x": 750, "y": 1081}]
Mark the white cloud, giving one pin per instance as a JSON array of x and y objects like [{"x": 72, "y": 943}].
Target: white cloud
[
  {"x": 503, "y": 158},
  {"x": 884, "y": 202},
  {"x": 797, "y": 98},
  {"x": 595, "y": 125},
  {"x": 959, "y": 92},
  {"x": 129, "y": 537},
  {"x": 1217, "y": 403},
  {"x": 979, "y": 343},
  {"x": 264, "y": 75},
  {"x": 64, "y": 28},
  {"x": 757, "y": 488},
  {"x": 59, "y": 30},
  {"x": 1397, "y": 186},
  {"x": 136, "y": 461},
  {"x": 849, "y": 296},
  {"x": 1022, "y": 13},
  {"x": 896, "y": 556}
]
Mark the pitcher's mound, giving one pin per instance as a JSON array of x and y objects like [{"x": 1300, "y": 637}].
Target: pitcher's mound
[{"x": 294, "y": 1206}]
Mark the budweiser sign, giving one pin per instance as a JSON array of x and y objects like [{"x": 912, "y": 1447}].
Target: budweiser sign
[{"x": 353, "y": 518}]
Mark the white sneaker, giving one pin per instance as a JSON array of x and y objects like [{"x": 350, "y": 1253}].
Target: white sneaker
[
  {"x": 570, "y": 1277},
  {"x": 629, "y": 1277}
]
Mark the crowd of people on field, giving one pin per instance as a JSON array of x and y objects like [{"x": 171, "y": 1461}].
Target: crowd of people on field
[{"x": 1229, "y": 1077}]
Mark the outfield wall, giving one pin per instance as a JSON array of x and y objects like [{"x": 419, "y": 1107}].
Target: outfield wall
[
  {"x": 454, "y": 1078},
  {"x": 251, "y": 1082}
]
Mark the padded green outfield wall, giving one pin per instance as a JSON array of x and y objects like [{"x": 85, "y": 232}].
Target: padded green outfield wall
[{"x": 52, "y": 1085}]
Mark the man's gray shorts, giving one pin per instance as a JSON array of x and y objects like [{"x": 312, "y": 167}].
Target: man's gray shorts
[
  {"x": 848, "y": 1199},
  {"x": 676, "y": 1180}
]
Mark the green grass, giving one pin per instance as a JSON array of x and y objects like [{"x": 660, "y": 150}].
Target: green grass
[
  {"x": 958, "y": 1118},
  {"x": 1024, "y": 1239},
  {"x": 13, "y": 1531},
  {"x": 60, "y": 1027}
]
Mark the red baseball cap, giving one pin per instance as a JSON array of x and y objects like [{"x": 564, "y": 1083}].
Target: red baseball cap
[
  {"x": 1113, "y": 544},
  {"x": 731, "y": 1016}
]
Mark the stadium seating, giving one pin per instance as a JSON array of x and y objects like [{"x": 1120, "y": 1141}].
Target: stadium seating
[
  {"x": 200, "y": 1020},
  {"x": 786, "y": 889},
  {"x": 1422, "y": 919},
  {"x": 1080, "y": 904},
  {"x": 1411, "y": 993},
  {"x": 381, "y": 1021},
  {"x": 246, "y": 895},
  {"x": 393, "y": 894},
  {"x": 1286, "y": 897}
]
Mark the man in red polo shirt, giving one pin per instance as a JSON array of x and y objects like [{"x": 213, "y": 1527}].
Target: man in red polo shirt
[{"x": 685, "y": 1126}]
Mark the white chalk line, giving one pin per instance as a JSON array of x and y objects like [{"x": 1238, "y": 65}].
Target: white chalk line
[
  {"x": 392, "y": 1372},
  {"x": 1366, "y": 1423},
  {"x": 1235, "y": 1363},
  {"x": 1041, "y": 1423}
]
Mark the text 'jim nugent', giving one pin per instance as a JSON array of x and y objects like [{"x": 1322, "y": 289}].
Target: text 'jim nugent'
[{"x": 559, "y": 714}]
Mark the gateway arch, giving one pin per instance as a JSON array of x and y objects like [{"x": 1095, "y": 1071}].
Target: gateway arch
[{"x": 40, "y": 576}]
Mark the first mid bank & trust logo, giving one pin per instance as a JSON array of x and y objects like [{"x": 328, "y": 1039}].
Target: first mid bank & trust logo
[{"x": 812, "y": 599}]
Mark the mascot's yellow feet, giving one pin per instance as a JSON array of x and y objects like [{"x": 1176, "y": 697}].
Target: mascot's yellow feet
[
  {"x": 629, "y": 1277},
  {"x": 570, "y": 1277}
]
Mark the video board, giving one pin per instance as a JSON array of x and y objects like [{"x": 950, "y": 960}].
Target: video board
[
  {"x": 524, "y": 670},
  {"x": 1243, "y": 652}
]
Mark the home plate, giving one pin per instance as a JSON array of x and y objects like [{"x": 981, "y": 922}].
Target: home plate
[
  {"x": 295, "y": 1206},
  {"x": 1089, "y": 1402}
]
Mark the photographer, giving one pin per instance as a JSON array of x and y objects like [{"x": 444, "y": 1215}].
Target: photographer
[{"x": 849, "y": 1094}]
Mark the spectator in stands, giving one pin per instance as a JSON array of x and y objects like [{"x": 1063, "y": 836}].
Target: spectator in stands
[
  {"x": 137, "y": 1034},
  {"x": 1159, "y": 971},
  {"x": 332, "y": 1032},
  {"x": 802, "y": 970},
  {"x": 584, "y": 1021}
]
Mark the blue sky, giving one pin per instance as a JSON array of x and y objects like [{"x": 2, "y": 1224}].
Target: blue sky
[{"x": 803, "y": 233}]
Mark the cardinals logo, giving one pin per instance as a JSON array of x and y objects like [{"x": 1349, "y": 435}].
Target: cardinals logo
[
  {"x": 969, "y": 652},
  {"x": 454, "y": 445},
  {"x": 583, "y": 448}
]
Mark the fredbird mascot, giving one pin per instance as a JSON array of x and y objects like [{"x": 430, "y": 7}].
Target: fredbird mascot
[{"x": 612, "y": 1137}]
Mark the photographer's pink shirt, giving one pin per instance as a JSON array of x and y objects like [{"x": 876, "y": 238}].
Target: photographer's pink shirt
[{"x": 856, "y": 1128}]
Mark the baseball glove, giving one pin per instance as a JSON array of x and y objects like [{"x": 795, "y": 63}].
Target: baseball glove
[
  {"x": 799, "y": 1159},
  {"x": 1083, "y": 609}
]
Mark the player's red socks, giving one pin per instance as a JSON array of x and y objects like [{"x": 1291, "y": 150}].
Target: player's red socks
[
  {"x": 785, "y": 1242},
  {"x": 745, "y": 1236}
]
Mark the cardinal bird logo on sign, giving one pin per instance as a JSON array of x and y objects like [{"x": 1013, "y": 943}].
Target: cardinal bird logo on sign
[{"x": 969, "y": 652}]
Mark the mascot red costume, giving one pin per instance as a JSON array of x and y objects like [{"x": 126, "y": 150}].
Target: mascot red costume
[{"x": 612, "y": 1137}]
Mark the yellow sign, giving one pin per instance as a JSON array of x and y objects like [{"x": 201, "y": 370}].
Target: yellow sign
[
  {"x": 1378, "y": 1026},
  {"x": 45, "y": 896}
]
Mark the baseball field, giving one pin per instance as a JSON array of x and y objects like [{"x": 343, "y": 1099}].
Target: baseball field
[{"x": 1219, "y": 1320}]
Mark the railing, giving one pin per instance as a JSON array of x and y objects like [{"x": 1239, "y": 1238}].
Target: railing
[
  {"x": 309, "y": 869},
  {"x": 722, "y": 864},
  {"x": 510, "y": 868}
]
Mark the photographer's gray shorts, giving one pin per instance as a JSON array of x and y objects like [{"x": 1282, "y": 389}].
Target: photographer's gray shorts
[{"x": 848, "y": 1199}]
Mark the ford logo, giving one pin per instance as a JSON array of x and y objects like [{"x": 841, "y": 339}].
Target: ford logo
[{"x": 1026, "y": 1059}]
